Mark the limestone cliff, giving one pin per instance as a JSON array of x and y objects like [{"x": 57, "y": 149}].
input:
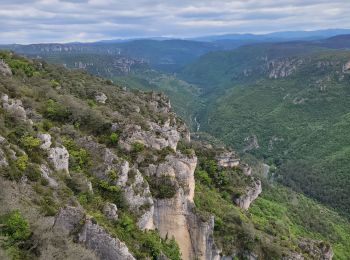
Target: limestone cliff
[{"x": 249, "y": 195}]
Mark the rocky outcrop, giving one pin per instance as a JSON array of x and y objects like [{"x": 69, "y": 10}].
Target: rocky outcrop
[
  {"x": 3, "y": 160},
  {"x": 139, "y": 198},
  {"x": 250, "y": 194},
  {"x": 180, "y": 168},
  {"x": 283, "y": 67},
  {"x": 5, "y": 70},
  {"x": 174, "y": 217},
  {"x": 202, "y": 238},
  {"x": 13, "y": 107},
  {"x": 346, "y": 67},
  {"x": 160, "y": 103},
  {"x": 316, "y": 249},
  {"x": 110, "y": 210},
  {"x": 246, "y": 169},
  {"x": 170, "y": 219},
  {"x": 45, "y": 141},
  {"x": 251, "y": 143},
  {"x": 59, "y": 157},
  {"x": 45, "y": 173},
  {"x": 157, "y": 137},
  {"x": 135, "y": 189},
  {"x": 101, "y": 98},
  {"x": 227, "y": 159},
  {"x": 98, "y": 240},
  {"x": 67, "y": 219},
  {"x": 72, "y": 221}
]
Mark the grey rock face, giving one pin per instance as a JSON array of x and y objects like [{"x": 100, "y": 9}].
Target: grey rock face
[
  {"x": 139, "y": 198},
  {"x": 157, "y": 137},
  {"x": 45, "y": 141},
  {"x": 101, "y": 98},
  {"x": 247, "y": 170},
  {"x": 3, "y": 160},
  {"x": 227, "y": 159},
  {"x": 110, "y": 211},
  {"x": 59, "y": 157},
  {"x": 106, "y": 247},
  {"x": 283, "y": 68},
  {"x": 180, "y": 168},
  {"x": 67, "y": 219},
  {"x": 14, "y": 107},
  {"x": 135, "y": 189},
  {"x": 174, "y": 217},
  {"x": 252, "y": 192},
  {"x": 5, "y": 70},
  {"x": 346, "y": 67},
  {"x": 202, "y": 238},
  {"x": 251, "y": 143},
  {"x": 316, "y": 249},
  {"x": 45, "y": 173}
]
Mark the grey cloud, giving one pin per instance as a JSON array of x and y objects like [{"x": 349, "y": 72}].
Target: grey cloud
[{"x": 87, "y": 20}]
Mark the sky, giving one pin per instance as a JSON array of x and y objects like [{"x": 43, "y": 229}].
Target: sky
[{"x": 35, "y": 21}]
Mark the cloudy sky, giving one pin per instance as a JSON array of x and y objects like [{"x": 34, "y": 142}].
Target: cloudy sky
[{"x": 32, "y": 21}]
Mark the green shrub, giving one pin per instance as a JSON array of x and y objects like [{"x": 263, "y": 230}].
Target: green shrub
[
  {"x": 21, "y": 65},
  {"x": 30, "y": 142},
  {"x": 91, "y": 103},
  {"x": 137, "y": 147},
  {"x": 112, "y": 175},
  {"x": 113, "y": 138},
  {"x": 33, "y": 172},
  {"x": 46, "y": 124},
  {"x": 162, "y": 187},
  {"x": 22, "y": 162},
  {"x": 48, "y": 206},
  {"x": 79, "y": 158},
  {"x": 127, "y": 223},
  {"x": 203, "y": 177},
  {"x": 110, "y": 192},
  {"x": 15, "y": 227},
  {"x": 54, "y": 83},
  {"x": 55, "y": 111}
]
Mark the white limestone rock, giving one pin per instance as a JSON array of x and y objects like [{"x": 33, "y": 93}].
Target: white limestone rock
[
  {"x": 13, "y": 107},
  {"x": 110, "y": 210},
  {"x": 59, "y": 157},
  {"x": 282, "y": 68},
  {"x": 251, "y": 193},
  {"x": 5, "y": 70},
  {"x": 227, "y": 159},
  {"x": 346, "y": 67},
  {"x": 45, "y": 140},
  {"x": 178, "y": 166},
  {"x": 251, "y": 143},
  {"x": 157, "y": 137},
  {"x": 104, "y": 245},
  {"x": 139, "y": 198},
  {"x": 247, "y": 170},
  {"x": 3, "y": 160},
  {"x": 67, "y": 219},
  {"x": 101, "y": 98}
]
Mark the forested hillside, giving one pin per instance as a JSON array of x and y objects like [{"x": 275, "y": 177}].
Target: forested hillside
[
  {"x": 286, "y": 104},
  {"x": 91, "y": 170}
]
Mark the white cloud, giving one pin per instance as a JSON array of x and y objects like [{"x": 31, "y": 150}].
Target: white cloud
[{"x": 28, "y": 21}]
